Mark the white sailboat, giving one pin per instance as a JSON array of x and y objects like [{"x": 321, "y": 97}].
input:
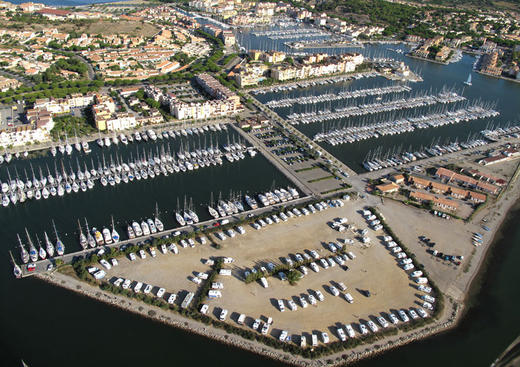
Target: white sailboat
[
  {"x": 468, "y": 82},
  {"x": 49, "y": 246},
  {"x": 115, "y": 235}
]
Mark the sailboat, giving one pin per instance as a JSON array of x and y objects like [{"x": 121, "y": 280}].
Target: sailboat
[
  {"x": 23, "y": 252},
  {"x": 17, "y": 271},
  {"x": 115, "y": 235},
  {"x": 82, "y": 238},
  {"x": 158, "y": 223},
  {"x": 90, "y": 239},
  {"x": 48, "y": 245},
  {"x": 468, "y": 82},
  {"x": 60, "y": 248},
  {"x": 33, "y": 254},
  {"x": 41, "y": 250}
]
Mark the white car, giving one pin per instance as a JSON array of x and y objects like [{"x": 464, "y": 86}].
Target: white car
[
  {"x": 428, "y": 306},
  {"x": 333, "y": 290},
  {"x": 298, "y": 257},
  {"x": 303, "y": 302},
  {"x": 105, "y": 264},
  {"x": 332, "y": 247},
  {"x": 173, "y": 248},
  {"x": 152, "y": 252},
  {"x": 342, "y": 286},
  {"x": 204, "y": 309},
  {"x": 292, "y": 305},
  {"x": 142, "y": 254},
  {"x": 281, "y": 307},
  {"x": 137, "y": 287},
  {"x": 191, "y": 242},
  {"x": 393, "y": 319},
  {"x": 303, "y": 270},
  {"x": 196, "y": 280},
  {"x": 114, "y": 262},
  {"x": 381, "y": 320},
  {"x": 269, "y": 220},
  {"x": 349, "y": 298},
  {"x": 319, "y": 295},
  {"x": 172, "y": 298},
  {"x": 401, "y": 255},
  {"x": 132, "y": 257},
  {"x": 275, "y": 218},
  {"x": 341, "y": 334},
  {"x": 372, "y": 325},
  {"x": 160, "y": 292},
  {"x": 405, "y": 261},
  {"x": 314, "y": 254},
  {"x": 403, "y": 316},
  {"x": 223, "y": 315},
  {"x": 314, "y": 267},
  {"x": 118, "y": 282},
  {"x": 163, "y": 248},
  {"x": 351, "y": 255},
  {"x": 126, "y": 284},
  {"x": 428, "y": 298},
  {"x": 148, "y": 289},
  {"x": 408, "y": 267},
  {"x": 413, "y": 314},
  {"x": 325, "y": 337},
  {"x": 283, "y": 335},
  {"x": 241, "y": 230},
  {"x": 288, "y": 261},
  {"x": 422, "y": 313},
  {"x": 184, "y": 244},
  {"x": 416, "y": 274},
  {"x": 312, "y": 299},
  {"x": 331, "y": 262},
  {"x": 265, "y": 329},
  {"x": 363, "y": 329},
  {"x": 424, "y": 288},
  {"x": 339, "y": 260},
  {"x": 397, "y": 249},
  {"x": 350, "y": 330},
  {"x": 324, "y": 263},
  {"x": 256, "y": 324}
]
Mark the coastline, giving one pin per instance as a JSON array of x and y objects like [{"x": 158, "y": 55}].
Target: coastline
[{"x": 452, "y": 315}]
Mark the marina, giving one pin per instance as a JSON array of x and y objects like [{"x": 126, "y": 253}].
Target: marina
[
  {"x": 139, "y": 203},
  {"x": 352, "y": 134},
  {"x": 373, "y": 108},
  {"x": 360, "y": 93}
]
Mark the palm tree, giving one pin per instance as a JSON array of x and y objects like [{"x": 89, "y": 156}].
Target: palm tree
[{"x": 293, "y": 276}]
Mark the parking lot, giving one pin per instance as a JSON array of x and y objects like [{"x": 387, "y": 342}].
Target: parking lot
[{"x": 374, "y": 270}]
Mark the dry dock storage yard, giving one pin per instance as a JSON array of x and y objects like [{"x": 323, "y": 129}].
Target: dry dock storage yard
[{"x": 370, "y": 271}]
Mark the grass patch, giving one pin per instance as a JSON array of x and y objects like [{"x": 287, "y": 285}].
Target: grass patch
[
  {"x": 305, "y": 169},
  {"x": 321, "y": 179},
  {"x": 332, "y": 190}
]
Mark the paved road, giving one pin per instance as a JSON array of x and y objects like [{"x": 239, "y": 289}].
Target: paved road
[
  {"x": 90, "y": 71},
  {"x": 309, "y": 142},
  {"x": 275, "y": 160}
]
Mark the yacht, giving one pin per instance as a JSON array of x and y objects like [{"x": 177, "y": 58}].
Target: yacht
[
  {"x": 145, "y": 228},
  {"x": 107, "y": 236},
  {"x": 98, "y": 236},
  {"x": 213, "y": 212},
  {"x": 193, "y": 216},
  {"x": 151, "y": 225},
  {"x": 130, "y": 231},
  {"x": 180, "y": 219},
  {"x": 137, "y": 229}
]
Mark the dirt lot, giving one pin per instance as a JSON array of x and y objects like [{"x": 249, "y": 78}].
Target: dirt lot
[{"x": 373, "y": 269}]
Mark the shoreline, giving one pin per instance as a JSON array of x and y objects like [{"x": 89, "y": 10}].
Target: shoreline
[{"x": 454, "y": 313}]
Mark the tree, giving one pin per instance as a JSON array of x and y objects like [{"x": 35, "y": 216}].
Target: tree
[{"x": 293, "y": 276}]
